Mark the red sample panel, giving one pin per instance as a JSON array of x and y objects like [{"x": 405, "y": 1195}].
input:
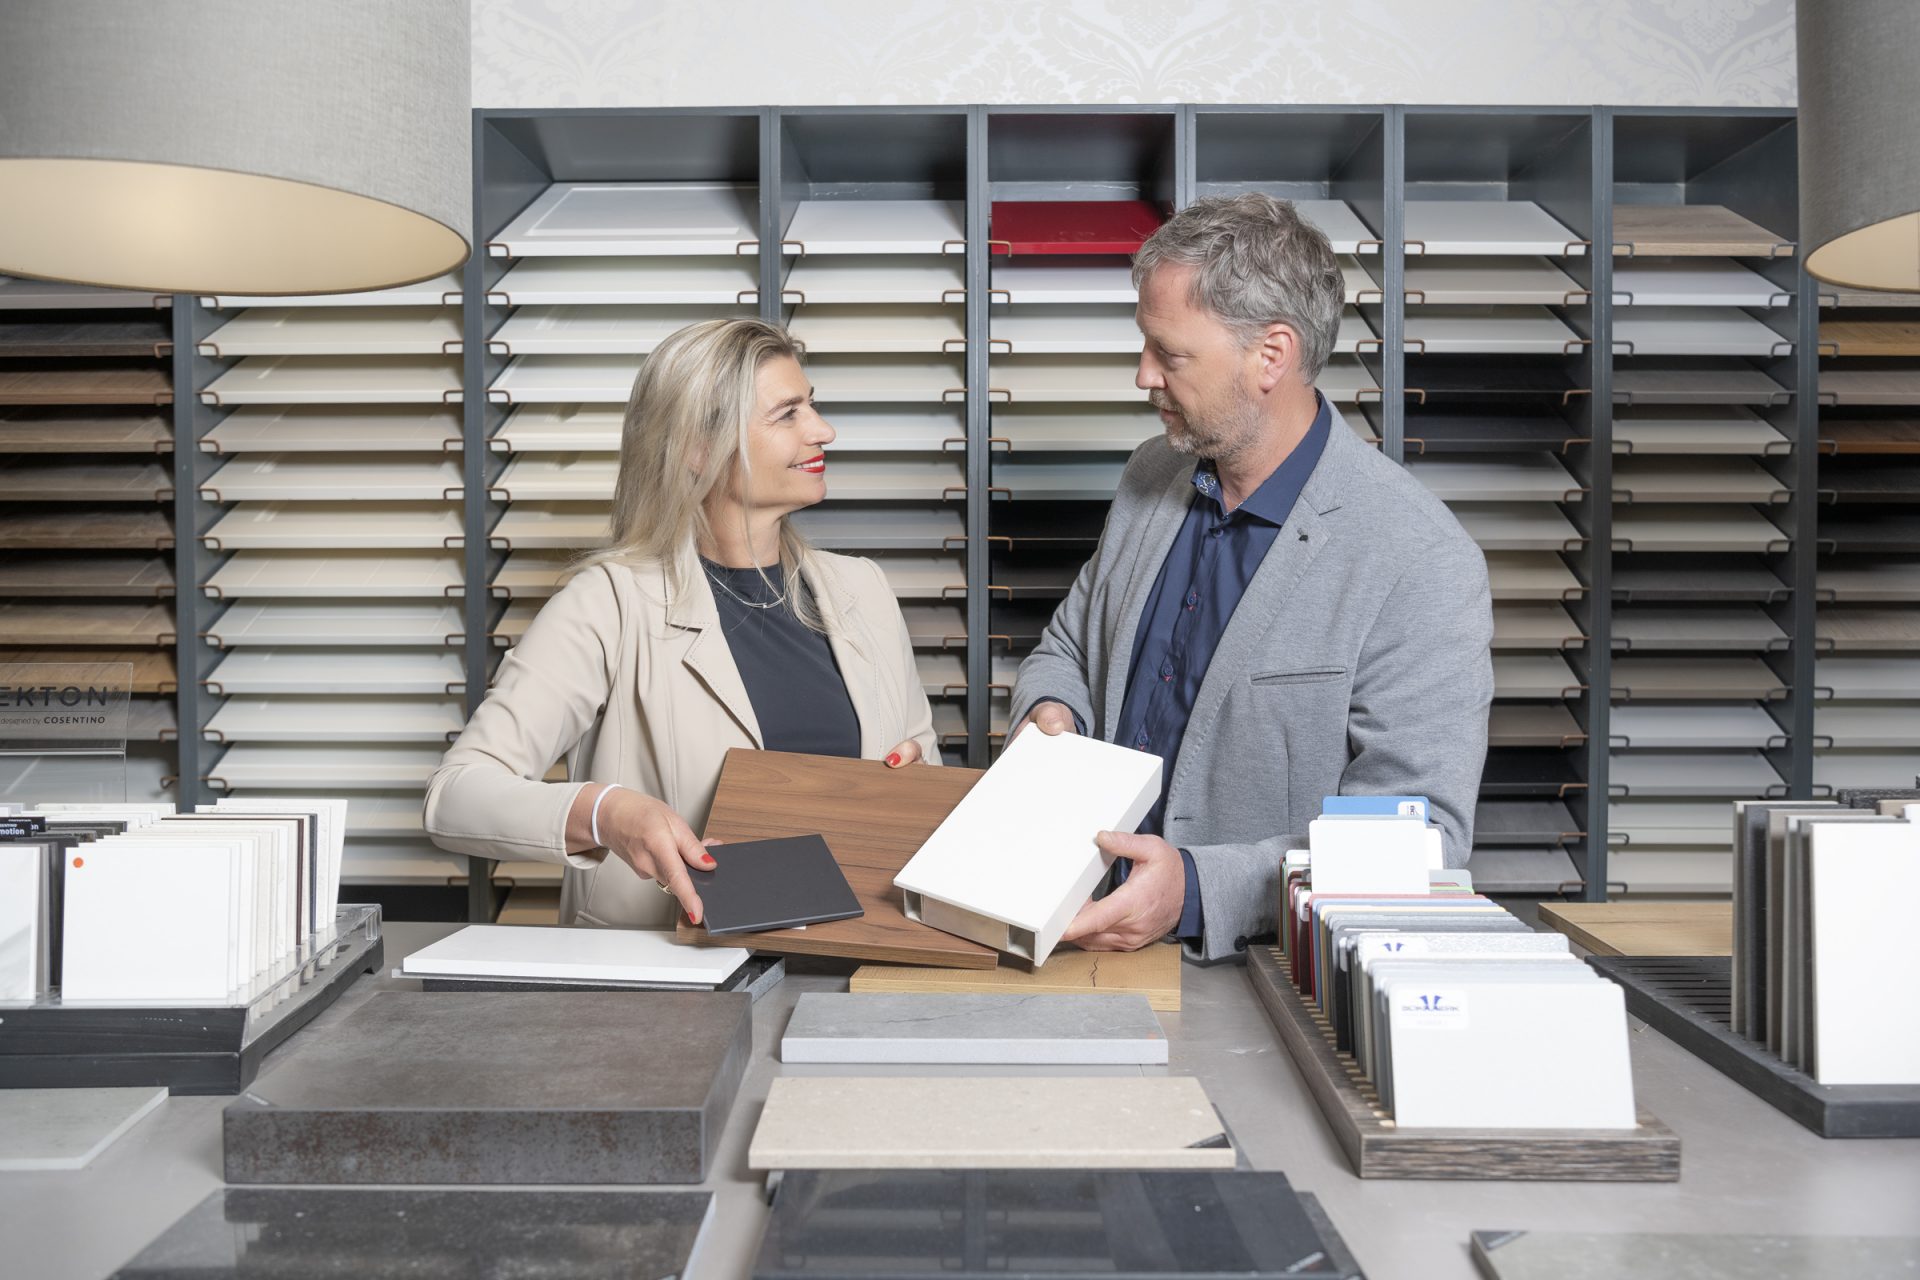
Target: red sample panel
[{"x": 1073, "y": 226}]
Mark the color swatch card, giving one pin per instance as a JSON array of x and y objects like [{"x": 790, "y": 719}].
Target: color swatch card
[
  {"x": 1016, "y": 859},
  {"x": 773, "y": 884},
  {"x": 1362, "y": 853},
  {"x": 24, "y": 932},
  {"x": 578, "y": 954},
  {"x": 1862, "y": 968}
]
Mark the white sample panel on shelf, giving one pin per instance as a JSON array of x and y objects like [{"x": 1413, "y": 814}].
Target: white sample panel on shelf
[
  {"x": 1515, "y": 477},
  {"x": 439, "y": 291},
  {"x": 922, "y": 478},
  {"x": 1338, "y": 222},
  {"x": 1487, "y": 227},
  {"x": 1693, "y": 282},
  {"x": 1728, "y": 628},
  {"x": 382, "y": 767},
  {"x": 598, "y": 331},
  {"x": 316, "y": 624},
  {"x": 569, "y": 528},
  {"x": 338, "y": 380},
  {"x": 922, "y": 330},
  {"x": 1486, "y": 330},
  {"x": 51, "y": 295},
  {"x": 532, "y": 574},
  {"x": 554, "y": 282},
  {"x": 1887, "y": 679},
  {"x": 1503, "y": 282},
  {"x": 334, "y": 429},
  {"x": 560, "y": 429},
  {"x": 896, "y": 428},
  {"x": 1680, "y": 528},
  {"x": 935, "y": 625},
  {"x": 1693, "y": 331},
  {"x": 1695, "y": 480},
  {"x": 1075, "y": 327},
  {"x": 1835, "y": 769},
  {"x": 1063, "y": 279},
  {"x": 355, "y": 574},
  {"x": 564, "y": 477},
  {"x": 1069, "y": 429},
  {"x": 1343, "y": 381},
  {"x": 514, "y": 622},
  {"x": 566, "y": 380},
  {"x": 881, "y": 529},
  {"x": 596, "y": 219},
  {"x": 1093, "y": 479},
  {"x": 336, "y": 331},
  {"x": 1066, "y": 379},
  {"x": 1708, "y": 429},
  {"x": 924, "y": 577},
  {"x": 881, "y": 379},
  {"x": 337, "y": 477},
  {"x": 1530, "y": 575},
  {"x": 344, "y": 671},
  {"x": 1669, "y": 822},
  {"x": 876, "y": 280},
  {"x": 1509, "y": 526},
  {"x": 379, "y": 814},
  {"x": 876, "y": 226},
  {"x": 1870, "y": 582},
  {"x": 1672, "y": 726},
  {"x": 1680, "y": 773},
  {"x": 336, "y": 718},
  {"x": 336, "y": 525},
  {"x": 1857, "y": 727}
]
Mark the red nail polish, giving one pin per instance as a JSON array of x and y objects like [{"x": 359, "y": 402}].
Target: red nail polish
[
  {"x": 894, "y": 759},
  {"x": 709, "y": 859}
]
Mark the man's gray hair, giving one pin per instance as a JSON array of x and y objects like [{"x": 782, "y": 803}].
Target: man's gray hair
[{"x": 1257, "y": 262}]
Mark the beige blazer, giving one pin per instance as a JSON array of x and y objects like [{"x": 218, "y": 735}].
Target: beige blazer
[{"x": 632, "y": 687}]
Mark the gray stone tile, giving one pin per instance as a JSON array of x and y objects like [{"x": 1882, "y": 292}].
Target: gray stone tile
[
  {"x": 1566, "y": 1255},
  {"x": 53, "y": 1129},
  {"x": 975, "y": 1029}
]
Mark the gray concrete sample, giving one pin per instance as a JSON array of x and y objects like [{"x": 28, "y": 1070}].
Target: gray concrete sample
[
  {"x": 1569, "y": 1255},
  {"x": 54, "y": 1129},
  {"x": 557, "y": 1235},
  {"x": 499, "y": 1087},
  {"x": 974, "y": 1029}
]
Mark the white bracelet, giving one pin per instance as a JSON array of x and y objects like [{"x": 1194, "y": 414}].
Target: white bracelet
[{"x": 593, "y": 823}]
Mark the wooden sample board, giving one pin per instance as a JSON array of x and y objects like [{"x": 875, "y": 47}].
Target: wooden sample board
[
  {"x": 1378, "y": 1148},
  {"x": 1692, "y": 230},
  {"x": 873, "y": 819},
  {"x": 1645, "y": 928},
  {"x": 1153, "y": 972}
]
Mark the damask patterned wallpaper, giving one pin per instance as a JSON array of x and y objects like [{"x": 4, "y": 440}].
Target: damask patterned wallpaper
[{"x": 599, "y": 53}]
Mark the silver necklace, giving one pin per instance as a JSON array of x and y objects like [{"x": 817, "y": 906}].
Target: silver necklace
[{"x": 751, "y": 604}]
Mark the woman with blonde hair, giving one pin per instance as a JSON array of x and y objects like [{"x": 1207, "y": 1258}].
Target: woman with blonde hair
[{"x": 706, "y": 624}]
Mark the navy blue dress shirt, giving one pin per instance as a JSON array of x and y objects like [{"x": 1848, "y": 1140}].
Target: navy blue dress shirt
[{"x": 1213, "y": 558}]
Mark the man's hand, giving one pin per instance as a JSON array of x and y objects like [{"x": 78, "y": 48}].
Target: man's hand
[
  {"x": 1051, "y": 718},
  {"x": 1146, "y": 908}
]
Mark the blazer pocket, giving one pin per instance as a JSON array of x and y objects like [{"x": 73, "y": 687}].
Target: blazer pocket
[{"x": 1315, "y": 675}]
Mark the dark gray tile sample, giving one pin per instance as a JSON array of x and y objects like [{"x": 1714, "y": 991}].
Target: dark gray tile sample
[
  {"x": 1061, "y": 1223},
  {"x": 312, "y": 1233},
  {"x": 757, "y": 885},
  {"x": 1568, "y": 1255},
  {"x": 988, "y": 1028},
  {"x": 497, "y": 1088},
  {"x": 759, "y": 975}
]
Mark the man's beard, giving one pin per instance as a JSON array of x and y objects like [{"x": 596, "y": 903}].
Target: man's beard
[{"x": 1222, "y": 436}]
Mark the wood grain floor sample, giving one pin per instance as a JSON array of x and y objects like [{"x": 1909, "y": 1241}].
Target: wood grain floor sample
[
  {"x": 1152, "y": 971},
  {"x": 59, "y": 575},
  {"x": 1691, "y": 230},
  {"x": 85, "y": 622},
  {"x": 68, "y": 528},
  {"x": 81, "y": 430},
  {"x": 87, "y": 382},
  {"x": 153, "y": 669}
]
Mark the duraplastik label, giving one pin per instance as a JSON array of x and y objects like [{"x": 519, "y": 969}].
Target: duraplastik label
[
  {"x": 1435, "y": 1009},
  {"x": 1372, "y": 948}
]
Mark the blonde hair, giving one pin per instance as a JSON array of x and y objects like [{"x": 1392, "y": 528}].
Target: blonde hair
[{"x": 686, "y": 427}]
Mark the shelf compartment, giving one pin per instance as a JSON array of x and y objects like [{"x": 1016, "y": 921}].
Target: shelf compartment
[
  {"x": 1066, "y": 429},
  {"x": 899, "y": 428},
  {"x": 280, "y": 767},
  {"x": 1710, "y": 482},
  {"x": 532, "y": 575},
  {"x": 882, "y": 529},
  {"x": 1726, "y": 628},
  {"x": 25, "y": 527},
  {"x": 1854, "y": 436},
  {"x": 1701, "y": 578},
  {"x": 1694, "y": 283},
  {"x": 1509, "y": 526},
  {"x": 1057, "y": 280},
  {"x": 868, "y": 281},
  {"x": 609, "y": 331},
  {"x": 1638, "y": 679},
  {"x": 1870, "y": 338},
  {"x": 1077, "y": 379},
  {"x": 69, "y": 430},
  {"x": 366, "y": 672},
  {"x": 1488, "y": 331},
  {"x": 85, "y": 623},
  {"x": 898, "y": 330},
  {"x": 1082, "y": 480},
  {"x": 1531, "y": 575},
  {"x": 876, "y": 227},
  {"x": 330, "y": 574},
  {"x": 343, "y": 719},
  {"x": 1881, "y": 770},
  {"x": 1440, "y": 381},
  {"x": 313, "y": 624},
  {"x": 1675, "y": 823},
  {"x": 1695, "y": 331},
  {"x": 561, "y": 527},
  {"x": 87, "y": 382},
  {"x": 1519, "y": 477},
  {"x": 1340, "y": 224},
  {"x": 1875, "y": 482},
  {"x": 1889, "y": 679},
  {"x": 63, "y": 575},
  {"x": 512, "y": 625},
  {"x": 564, "y": 429},
  {"x": 1467, "y": 430},
  {"x": 334, "y": 478},
  {"x": 634, "y": 219},
  {"x": 924, "y": 577},
  {"x": 77, "y": 334},
  {"x": 561, "y": 477},
  {"x": 44, "y": 479},
  {"x": 617, "y": 282},
  {"x": 334, "y": 429},
  {"x": 1524, "y": 822},
  {"x": 1898, "y": 387},
  {"x": 1868, "y": 728},
  {"x": 50, "y": 295},
  {"x": 888, "y": 379},
  {"x": 337, "y": 380},
  {"x": 566, "y": 380},
  {"x": 1696, "y": 431},
  {"x": 1867, "y": 629},
  {"x": 152, "y": 669},
  {"x": 336, "y": 526},
  {"x": 1535, "y": 627},
  {"x": 1072, "y": 226},
  {"x": 1692, "y": 231},
  {"x": 1485, "y": 228},
  {"x": 1734, "y": 775},
  {"x": 935, "y": 626},
  {"x": 1684, "y": 725},
  {"x": 1886, "y": 532},
  {"x": 1869, "y": 581},
  {"x": 1490, "y": 282},
  {"x": 440, "y": 291},
  {"x": 1533, "y": 725},
  {"x": 1648, "y": 381},
  {"x": 335, "y": 331}
]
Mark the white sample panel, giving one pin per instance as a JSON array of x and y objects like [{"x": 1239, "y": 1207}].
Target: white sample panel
[
  {"x": 1516, "y": 477},
  {"x": 1016, "y": 859},
  {"x": 1487, "y": 227},
  {"x": 338, "y": 380},
  {"x": 560, "y": 429},
  {"x": 1695, "y": 480},
  {"x": 345, "y": 671},
  {"x": 1091, "y": 479},
  {"x": 1693, "y": 282},
  {"x": 24, "y": 926},
  {"x": 352, "y": 574},
  {"x": 1836, "y": 769},
  {"x": 145, "y": 923},
  {"x": 564, "y": 477},
  {"x": 334, "y": 718},
  {"x": 1887, "y": 679},
  {"x": 532, "y": 574},
  {"x": 1070, "y": 429},
  {"x": 306, "y": 623},
  {"x": 547, "y": 282},
  {"x": 336, "y": 477},
  {"x": 612, "y": 219},
  {"x": 1510, "y": 526},
  {"x": 1680, "y": 528},
  {"x": 1855, "y": 727},
  {"x": 876, "y": 529},
  {"x": 598, "y": 331},
  {"x": 1854, "y": 872},
  {"x": 1479, "y": 330},
  {"x": 336, "y": 331},
  {"x": 1489, "y": 282},
  {"x": 334, "y": 429},
  {"x": 1338, "y": 222},
  {"x": 1066, "y": 379},
  {"x": 360, "y": 767},
  {"x": 1734, "y": 774},
  {"x": 1727, "y": 628},
  {"x": 1693, "y": 331},
  {"x": 814, "y": 281},
  {"x": 595, "y": 955},
  {"x": 1692, "y": 724},
  {"x": 1343, "y": 380},
  {"x": 870, "y": 379},
  {"x": 1706, "y": 430},
  {"x": 876, "y": 226},
  {"x": 556, "y": 528},
  {"x": 1669, "y": 822},
  {"x": 896, "y": 428},
  {"x": 1061, "y": 278},
  {"x": 923, "y": 577},
  {"x": 1077, "y": 327},
  {"x": 336, "y": 525},
  {"x": 566, "y": 379},
  {"x": 921, "y": 478},
  {"x": 440, "y": 291},
  {"x": 929, "y": 329}
]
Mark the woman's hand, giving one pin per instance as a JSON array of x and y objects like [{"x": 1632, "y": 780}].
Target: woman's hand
[
  {"x": 903, "y": 755},
  {"x": 656, "y": 842}
]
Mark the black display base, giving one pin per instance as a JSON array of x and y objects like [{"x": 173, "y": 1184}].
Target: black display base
[
  {"x": 1687, "y": 998},
  {"x": 189, "y": 1050}
]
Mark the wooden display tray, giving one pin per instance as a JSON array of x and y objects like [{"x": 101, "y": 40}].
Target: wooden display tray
[
  {"x": 1379, "y": 1149},
  {"x": 873, "y": 819},
  {"x": 1687, "y": 998}
]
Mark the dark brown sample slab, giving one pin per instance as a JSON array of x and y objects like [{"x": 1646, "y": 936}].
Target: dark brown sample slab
[
  {"x": 88, "y": 480},
  {"x": 152, "y": 669},
  {"x": 82, "y": 430},
  {"x": 1871, "y": 435},
  {"x": 87, "y": 382},
  {"x": 60, "y": 575},
  {"x": 874, "y": 819},
  {"x": 68, "y": 528},
  {"x": 72, "y": 334},
  {"x": 85, "y": 622}
]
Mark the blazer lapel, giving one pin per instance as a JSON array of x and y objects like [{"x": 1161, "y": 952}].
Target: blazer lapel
[
  {"x": 707, "y": 654},
  {"x": 1155, "y": 540},
  {"x": 838, "y": 611}
]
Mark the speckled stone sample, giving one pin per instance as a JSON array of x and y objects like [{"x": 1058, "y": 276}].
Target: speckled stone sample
[
  {"x": 1568, "y": 1255},
  {"x": 974, "y": 1029}
]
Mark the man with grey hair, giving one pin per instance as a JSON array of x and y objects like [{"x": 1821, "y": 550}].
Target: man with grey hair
[{"x": 1275, "y": 609}]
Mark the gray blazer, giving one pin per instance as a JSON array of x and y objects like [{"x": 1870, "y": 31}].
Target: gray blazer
[{"x": 1358, "y": 662}]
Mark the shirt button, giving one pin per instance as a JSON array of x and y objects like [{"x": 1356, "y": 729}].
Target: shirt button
[
  {"x": 1166, "y": 668},
  {"x": 1218, "y": 532},
  {"x": 1193, "y": 598},
  {"x": 1140, "y": 742}
]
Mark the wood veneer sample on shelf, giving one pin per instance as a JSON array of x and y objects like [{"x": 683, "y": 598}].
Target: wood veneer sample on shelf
[
  {"x": 85, "y": 622},
  {"x": 873, "y": 819},
  {"x": 92, "y": 480},
  {"x": 62, "y": 574},
  {"x": 153, "y": 669},
  {"x": 1072, "y": 226},
  {"x": 70, "y": 528},
  {"x": 1863, "y": 435},
  {"x": 75, "y": 334},
  {"x": 1870, "y": 386},
  {"x": 87, "y": 382},
  {"x": 81, "y": 430},
  {"x": 1692, "y": 230},
  {"x": 1871, "y": 337}
]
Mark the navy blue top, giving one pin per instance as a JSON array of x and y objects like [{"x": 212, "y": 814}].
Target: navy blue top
[
  {"x": 1213, "y": 558},
  {"x": 792, "y": 680}
]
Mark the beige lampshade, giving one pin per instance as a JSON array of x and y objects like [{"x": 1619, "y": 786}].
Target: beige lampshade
[
  {"x": 1860, "y": 141},
  {"x": 235, "y": 146}
]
